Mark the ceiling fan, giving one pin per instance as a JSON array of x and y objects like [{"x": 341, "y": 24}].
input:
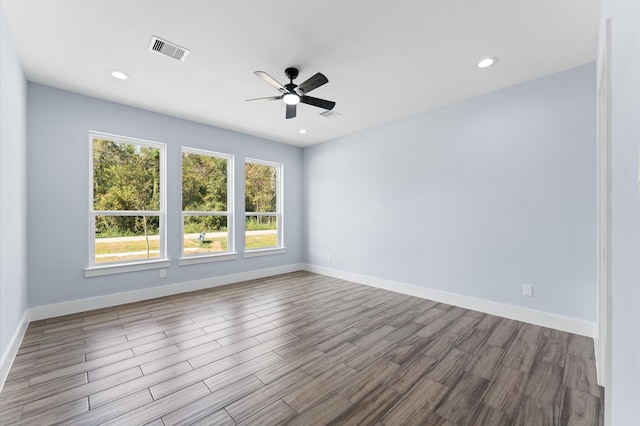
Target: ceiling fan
[{"x": 293, "y": 94}]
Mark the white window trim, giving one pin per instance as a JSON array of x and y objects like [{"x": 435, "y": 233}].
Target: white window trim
[
  {"x": 206, "y": 258},
  {"x": 118, "y": 268},
  {"x": 230, "y": 254},
  {"x": 98, "y": 269},
  {"x": 264, "y": 252},
  {"x": 280, "y": 247}
]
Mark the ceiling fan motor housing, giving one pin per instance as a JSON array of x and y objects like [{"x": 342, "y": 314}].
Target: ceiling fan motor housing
[{"x": 291, "y": 73}]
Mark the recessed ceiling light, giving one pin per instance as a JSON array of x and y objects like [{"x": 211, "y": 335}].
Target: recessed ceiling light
[
  {"x": 487, "y": 62},
  {"x": 119, "y": 75},
  {"x": 303, "y": 131}
]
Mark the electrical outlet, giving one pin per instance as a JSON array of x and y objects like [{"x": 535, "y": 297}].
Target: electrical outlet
[
  {"x": 163, "y": 273},
  {"x": 527, "y": 289}
]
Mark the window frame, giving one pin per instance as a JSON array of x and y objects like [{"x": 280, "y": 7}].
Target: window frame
[
  {"x": 230, "y": 254},
  {"x": 280, "y": 247},
  {"x": 162, "y": 261}
]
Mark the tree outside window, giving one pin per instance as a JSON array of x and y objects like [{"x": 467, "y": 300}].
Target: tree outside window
[
  {"x": 263, "y": 199},
  {"x": 206, "y": 200},
  {"x": 127, "y": 211}
]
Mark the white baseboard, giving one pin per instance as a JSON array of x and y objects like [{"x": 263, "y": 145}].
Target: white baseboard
[
  {"x": 599, "y": 366},
  {"x": 545, "y": 319},
  {"x": 81, "y": 305},
  {"x": 12, "y": 349}
]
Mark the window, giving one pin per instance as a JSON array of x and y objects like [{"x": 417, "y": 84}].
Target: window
[
  {"x": 207, "y": 206},
  {"x": 127, "y": 210},
  {"x": 263, "y": 208}
]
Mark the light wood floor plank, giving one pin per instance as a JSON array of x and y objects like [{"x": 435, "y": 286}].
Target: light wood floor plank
[
  {"x": 12, "y": 397},
  {"x": 487, "y": 415},
  {"x": 59, "y": 413},
  {"x": 505, "y": 393},
  {"x": 485, "y": 362},
  {"x": 580, "y": 374},
  {"x": 112, "y": 393},
  {"x": 450, "y": 368},
  {"x": 322, "y": 413},
  {"x": 406, "y": 376},
  {"x": 307, "y": 395},
  {"x": 241, "y": 371},
  {"x": 370, "y": 408},
  {"x": 105, "y": 371},
  {"x": 267, "y": 395},
  {"x": 180, "y": 381},
  {"x": 580, "y": 408},
  {"x": 275, "y": 414},
  {"x": 521, "y": 356},
  {"x": 158, "y": 408},
  {"x": 280, "y": 368},
  {"x": 416, "y": 404},
  {"x": 56, "y": 373},
  {"x": 219, "y": 418},
  {"x": 83, "y": 390},
  {"x": 112, "y": 409},
  {"x": 367, "y": 380},
  {"x": 209, "y": 404},
  {"x": 460, "y": 401}
]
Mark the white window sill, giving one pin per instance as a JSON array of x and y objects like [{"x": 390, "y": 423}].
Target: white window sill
[
  {"x": 96, "y": 271},
  {"x": 193, "y": 260},
  {"x": 265, "y": 252}
]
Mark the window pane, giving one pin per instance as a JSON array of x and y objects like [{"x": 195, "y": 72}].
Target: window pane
[
  {"x": 205, "y": 234},
  {"x": 204, "y": 183},
  {"x": 260, "y": 232},
  {"x": 261, "y": 184},
  {"x": 123, "y": 238},
  {"x": 125, "y": 176}
]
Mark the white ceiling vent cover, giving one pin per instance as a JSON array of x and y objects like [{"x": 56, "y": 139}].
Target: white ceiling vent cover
[
  {"x": 166, "y": 48},
  {"x": 330, "y": 114}
]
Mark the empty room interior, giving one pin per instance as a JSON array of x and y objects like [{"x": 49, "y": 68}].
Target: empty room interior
[{"x": 307, "y": 213}]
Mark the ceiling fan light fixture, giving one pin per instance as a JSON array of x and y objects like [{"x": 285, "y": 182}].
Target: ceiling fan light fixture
[
  {"x": 487, "y": 62},
  {"x": 291, "y": 99}
]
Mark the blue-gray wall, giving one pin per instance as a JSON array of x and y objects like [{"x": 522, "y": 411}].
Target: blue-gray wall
[
  {"x": 624, "y": 388},
  {"x": 13, "y": 188},
  {"x": 476, "y": 198},
  {"x": 58, "y": 197}
]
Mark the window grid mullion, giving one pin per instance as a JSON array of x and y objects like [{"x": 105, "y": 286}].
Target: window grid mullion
[
  {"x": 127, "y": 212},
  {"x": 203, "y": 213}
]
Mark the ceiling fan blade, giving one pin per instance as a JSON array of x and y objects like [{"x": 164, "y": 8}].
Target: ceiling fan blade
[
  {"x": 272, "y": 81},
  {"x": 291, "y": 111},
  {"x": 320, "y": 103},
  {"x": 313, "y": 83},
  {"x": 270, "y": 98}
]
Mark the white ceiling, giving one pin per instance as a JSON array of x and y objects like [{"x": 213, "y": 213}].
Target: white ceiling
[{"x": 384, "y": 60}]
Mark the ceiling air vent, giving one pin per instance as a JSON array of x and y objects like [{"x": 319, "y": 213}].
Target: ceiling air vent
[
  {"x": 330, "y": 114},
  {"x": 169, "y": 49}
]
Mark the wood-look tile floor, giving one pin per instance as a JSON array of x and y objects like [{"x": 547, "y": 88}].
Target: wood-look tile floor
[{"x": 300, "y": 349}]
